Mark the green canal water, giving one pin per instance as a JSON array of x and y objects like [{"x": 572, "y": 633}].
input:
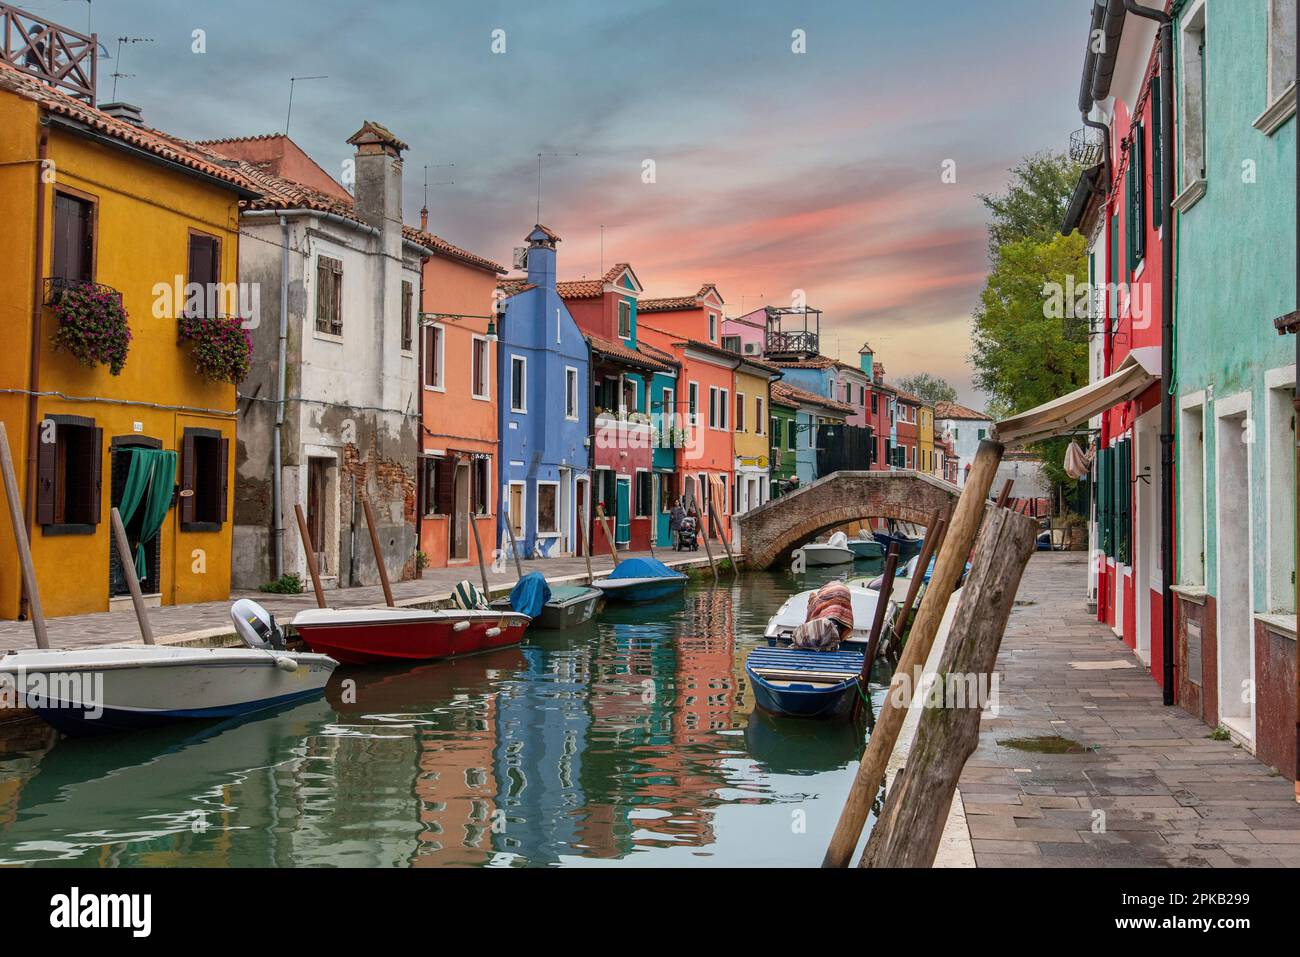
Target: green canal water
[{"x": 633, "y": 741}]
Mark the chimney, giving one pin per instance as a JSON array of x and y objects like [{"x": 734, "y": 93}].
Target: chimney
[
  {"x": 878, "y": 373},
  {"x": 126, "y": 112},
  {"x": 541, "y": 257},
  {"x": 865, "y": 357},
  {"x": 424, "y": 219}
]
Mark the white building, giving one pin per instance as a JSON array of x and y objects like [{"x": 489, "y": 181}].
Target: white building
[{"x": 967, "y": 428}]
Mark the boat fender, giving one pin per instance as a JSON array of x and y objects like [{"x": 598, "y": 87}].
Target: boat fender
[
  {"x": 493, "y": 632},
  {"x": 460, "y": 626},
  {"x": 286, "y": 664}
]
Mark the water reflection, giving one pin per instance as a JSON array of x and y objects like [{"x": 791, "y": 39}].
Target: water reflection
[{"x": 632, "y": 739}]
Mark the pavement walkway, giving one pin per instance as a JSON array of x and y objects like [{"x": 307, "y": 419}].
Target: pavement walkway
[
  {"x": 1147, "y": 785},
  {"x": 207, "y": 620}
]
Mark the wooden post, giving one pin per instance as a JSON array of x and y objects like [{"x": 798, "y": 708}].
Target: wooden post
[
  {"x": 514, "y": 546},
  {"x": 586, "y": 545},
  {"x": 717, "y": 526},
  {"x": 708, "y": 550},
  {"x": 1005, "y": 493},
  {"x": 933, "y": 536},
  {"x": 128, "y": 572},
  {"x": 20, "y": 540},
  {"x": 882, "y": 607},
  {"x": 603, "y": 521},
  {"x": 947, "y": 572},
  {"x": 379, "y": 556},
  {"x": 910, "y": 826},
  {"x": 311, "y": 555},
  {"x": 478, "y": 549}
]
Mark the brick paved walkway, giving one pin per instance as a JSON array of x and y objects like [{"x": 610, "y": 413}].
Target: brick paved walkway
[
  {"x": 1171, "y": 796},
  {"x": 206, "y": 619}
]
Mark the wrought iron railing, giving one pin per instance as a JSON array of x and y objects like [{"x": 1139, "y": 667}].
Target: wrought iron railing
[
  {"x": 56, "y": 286},
  {"x": 1085, "y": 147},
  {"x": 52, "y": 53},
  {"x": 788, "y": 342}
]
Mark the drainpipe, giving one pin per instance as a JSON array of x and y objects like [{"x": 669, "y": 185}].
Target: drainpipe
[
  {"x": 418, "y": 343},
  {"x": 277, "y": 492},
  {"x": 1166, "y": 337},
  {"x": 38, "y": 303}
]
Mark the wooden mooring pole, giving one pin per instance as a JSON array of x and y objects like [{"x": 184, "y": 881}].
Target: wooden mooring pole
[
  {"x": 379, "y": 555},
  {"x": 20, "y": 540},
  {"x": 586, "y": 545},
  {"x": 128, "y": 572},
  {"x": 933, "y": 536},
  {"x": 514, "y": 546},
  {"x": 947, "y": 572},
  {"x": 708, "y": 550},
  {"x": 717, "y": 526},
  {"x": 603, "y": 520},
  {"x": 909, "y": 829},
  {"x": 882, "y": 608},
  {"x": 311, "y": 555},
  {"x": 478, "y": 549}
]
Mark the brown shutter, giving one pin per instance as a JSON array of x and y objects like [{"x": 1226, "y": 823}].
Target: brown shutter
[
  {"x": 47, "y": 472},
  {"x": 225, "y": 484},
  {"x": 94, "y": 479},
  {"x": 187, "y": 477},
  {"x": 445, "y": 487}
]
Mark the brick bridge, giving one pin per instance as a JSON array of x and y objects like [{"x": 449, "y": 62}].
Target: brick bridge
[{"x": 771, "y": 532}]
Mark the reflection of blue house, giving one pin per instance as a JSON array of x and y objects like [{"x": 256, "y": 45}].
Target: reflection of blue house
[
  {"x": 543, "y": 375},
  {"x": 542, "y": 730}
]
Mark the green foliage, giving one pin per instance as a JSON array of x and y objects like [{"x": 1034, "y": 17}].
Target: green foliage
[
  {"x": 1035, "y": 202},
  {"x": 289, "y": 584},
  {"x": 928, "y": 387}
]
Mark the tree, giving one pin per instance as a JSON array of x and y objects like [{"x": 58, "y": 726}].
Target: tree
[
  {"x": 1035, "y": 202},
  {"x": 929, "y": 387}
]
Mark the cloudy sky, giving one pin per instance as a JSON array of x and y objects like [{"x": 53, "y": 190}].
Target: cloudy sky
[{"x": 773, "y": 170}]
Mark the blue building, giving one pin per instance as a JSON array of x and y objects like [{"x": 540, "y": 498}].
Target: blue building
[{"x": 544, "y": 380}]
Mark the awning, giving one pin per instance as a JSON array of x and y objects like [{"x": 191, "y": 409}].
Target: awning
[{"x": 1135, "y": 374}]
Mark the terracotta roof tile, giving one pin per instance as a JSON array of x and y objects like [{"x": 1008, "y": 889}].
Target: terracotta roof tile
[
  {"x": 442, "y": 247},
  {"x": 673, "y": 303},
  {"x": 789, "y": 393},
  {"x": 589, "y": 288},
  {"x": 1288, "y": 323},
  {"x": 616, "y": 350},
  {"x": 514, "y": 285},
  {"x": 952, "y": 410},
  {"x": 180, "y": 151}
]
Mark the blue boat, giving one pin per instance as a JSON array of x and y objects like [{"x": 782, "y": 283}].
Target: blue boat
[
  {"x": 641, "y": 579},
  {"x": 907, "y": 546},
  {"x": 804, "y": 684}
]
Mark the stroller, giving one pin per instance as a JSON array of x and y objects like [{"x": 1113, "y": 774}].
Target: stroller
[{"x": 688, "y": 535}]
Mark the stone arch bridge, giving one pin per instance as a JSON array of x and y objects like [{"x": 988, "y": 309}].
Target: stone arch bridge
[{"x": 770, "y": 533}]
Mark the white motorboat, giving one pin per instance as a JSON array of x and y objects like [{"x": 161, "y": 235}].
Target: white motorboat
[
  {"x": 82, "y": 691},
  {"x": 795, "y": 612},
  {"x": 834, "y": 551}
]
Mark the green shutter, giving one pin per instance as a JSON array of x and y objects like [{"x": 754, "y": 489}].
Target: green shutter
[
  {"x": 1139, "y": 192},
  {"x": 1124, "y": 501},
  {"x": 1105, "y": 495},
  {"x": 1157, "y": 161}
]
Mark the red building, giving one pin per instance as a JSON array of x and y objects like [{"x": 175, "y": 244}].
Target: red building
[{"x": 906, "y": 429}]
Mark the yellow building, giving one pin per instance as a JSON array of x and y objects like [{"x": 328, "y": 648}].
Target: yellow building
[
  {"x": 925, "y": 441},
  {"x": 751, "y": 422},
  {"x": 99, "y": 208}
]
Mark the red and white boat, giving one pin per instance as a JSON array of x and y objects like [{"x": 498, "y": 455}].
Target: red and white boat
[{"x": 366, "y": 635}]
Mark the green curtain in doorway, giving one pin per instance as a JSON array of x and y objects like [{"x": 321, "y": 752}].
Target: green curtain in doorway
[{"x": 149, "y": 485}]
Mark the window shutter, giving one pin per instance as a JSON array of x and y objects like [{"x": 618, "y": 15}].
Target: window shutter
[
  {"x": 187, "y": 477},
  {"x": 1139, "y": 192},
  {"x": 225, "y": 484},
  {"x": 1157, "y": 162},
  {"x": 47, "y": 473},
  {"x": 444, "y": 486},
  {"x": 93, "y": 489}
]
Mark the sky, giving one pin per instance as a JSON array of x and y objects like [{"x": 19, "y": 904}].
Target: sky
[{"x": 773, "y": 170}]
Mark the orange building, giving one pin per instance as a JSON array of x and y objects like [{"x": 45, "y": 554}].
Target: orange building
[{"x": 458, "y": 401}]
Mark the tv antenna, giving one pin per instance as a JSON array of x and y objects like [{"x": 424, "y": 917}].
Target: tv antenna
[
  {"x": 292, "y": 81},
  {"x": 539, "y": 179},
  {"x": 603, "y": 227},
  {"x": 424, "y": 210},
  {"x": 118, "y": 72}
]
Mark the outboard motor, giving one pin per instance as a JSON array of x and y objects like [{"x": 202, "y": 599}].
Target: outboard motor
[{"x": 256, "y": 626}]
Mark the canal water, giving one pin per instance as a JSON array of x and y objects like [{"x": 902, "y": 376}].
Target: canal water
[{"x": 633, "y": 741}]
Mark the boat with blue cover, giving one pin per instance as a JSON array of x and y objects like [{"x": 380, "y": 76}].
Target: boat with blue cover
[
  {"x": 641, "y": 579},
  {"x": 551, "y": 606},
  {"x": 804, "y": 684}
]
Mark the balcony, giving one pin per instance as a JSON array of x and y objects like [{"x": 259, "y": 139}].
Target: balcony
[
  {"x": 53, "y": 54},
  {"x": 792, "y": 343},
  {"x": 56, "y": 286}
]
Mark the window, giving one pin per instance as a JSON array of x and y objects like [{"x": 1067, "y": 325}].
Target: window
[
  {"x": 713, "y": 327},
  {"x": 1157, "y": 163},
  {"x": 69, "y": 469},
  {"x": 723, "y": 398},
  {"x": 481, "y": 485},
  {"x": 731, "y": 343},
  {"x": 329, "y": 295},
  {"x": 1281, "y": 451},
  {"x": 1191, "y": 488},
  {"x": 74, "y": 238},
  {"x": 408, "y": 308},
  {"x": 627, "y": 395},
  {"x": 981, "y": 433},
  {"x": 1194, "y": 111},
  {"x": 205, "y": 461},
  {"x": 1135, "y": 212},
  {"x": 693, "y": 402},
  {"x": 518, "y": 384},
  {"x": 624, "y": 319},
  {"x": 862, "y": 395},
  {"x": 204, "y": 272},
  {"x": 479, "y": 371},
  {"x": 433, "y": 357},
  {"x": 547, "y": 514},
  {"x": 759, "y": 419},
  {"x": 740, "y": 412},
  {"x": 1281, "y": 49},
  {"x": 571, "y": 393},
  {"x": 775, "y": 426},
  {"x": 848, "y": 393},
  {"x": 713, "y": 407},
  {"x": 668, "y": 492},
  {"x": 791, "y": 434},
  {"x": 644, "y": 494},
  {"x": 875, "y": 403}
]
